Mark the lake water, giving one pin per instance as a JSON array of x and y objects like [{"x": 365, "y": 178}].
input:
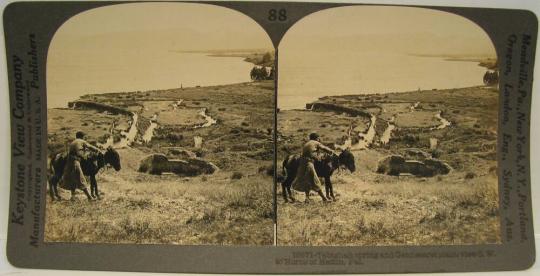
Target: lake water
[
  {"x": 71, "y": 75},
  {"x": 306, "y": 76}
]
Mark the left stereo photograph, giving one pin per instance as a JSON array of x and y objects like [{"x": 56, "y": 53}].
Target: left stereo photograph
[{"x": 160, "y": 127}]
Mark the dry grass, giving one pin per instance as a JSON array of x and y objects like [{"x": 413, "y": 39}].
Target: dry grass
[
  {"x": 140, "y": 208},
  {"x": 381, "y": 210}
]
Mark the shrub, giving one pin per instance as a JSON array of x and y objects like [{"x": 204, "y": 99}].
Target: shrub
[
  {"x": 435, "y": 153},
  {"x": 237, "y": 175},
  {"x": 470, "y": 175},
  {"x": 175, "y": 137},
  {"x": 200, "y": 153}
]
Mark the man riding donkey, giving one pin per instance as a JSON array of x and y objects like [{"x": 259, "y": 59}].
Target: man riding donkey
[
  {"x": 73, "y": 177},
  {"x": 306, "y": 177}
]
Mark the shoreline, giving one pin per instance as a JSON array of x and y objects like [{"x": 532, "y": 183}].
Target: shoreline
[
  {"x": 253, "y": 56},
  {"x": 321, "y": 98}
]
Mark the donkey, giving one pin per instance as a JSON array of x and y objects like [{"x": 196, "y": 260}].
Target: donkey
[
  {"x": 324, "y": 167},
  {"x": 90, "y": 167}
]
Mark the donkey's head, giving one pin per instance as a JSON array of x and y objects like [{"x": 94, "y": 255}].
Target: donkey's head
[
  {"x": 112, "y": 158},
  {"x": 346, "y": 159}
]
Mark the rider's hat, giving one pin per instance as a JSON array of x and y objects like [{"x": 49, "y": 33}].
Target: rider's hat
[{"x": 79, "y": 134}]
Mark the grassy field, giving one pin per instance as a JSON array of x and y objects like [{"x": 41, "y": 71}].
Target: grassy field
[
  {"x": 141, "y": 208},
  {"x": 231, "y": 207},
  {"x": 377, "y": 209},
  {"x": 374, "y": 209}
]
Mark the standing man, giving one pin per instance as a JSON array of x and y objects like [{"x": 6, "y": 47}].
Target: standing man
[
  {"x": 306, "y": 177},
  {"x": 73, "y": 177}
]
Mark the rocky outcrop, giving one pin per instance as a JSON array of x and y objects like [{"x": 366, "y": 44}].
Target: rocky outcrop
[
  {"x": 159, "y": 163},
  {"x": 319, "y": 106},
  {"x": 99, "y": 107},
  {"x": 397, "y": 164}
]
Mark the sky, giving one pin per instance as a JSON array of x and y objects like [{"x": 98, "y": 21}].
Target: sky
[
  {"x": 170, "y": 26},
  {"x": 389, "y": 29}
]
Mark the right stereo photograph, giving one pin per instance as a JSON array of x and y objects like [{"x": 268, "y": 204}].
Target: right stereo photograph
[{"x": 387, "y": 130}]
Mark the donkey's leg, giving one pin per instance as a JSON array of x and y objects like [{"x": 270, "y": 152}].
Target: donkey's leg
[
  {"x": 287, "y": 187},
  {"x": 284, "y": 192},
  {"x": 51, "y": 189},
  {"x": 94, "y": 187},
  {"x": 330, "y": 187},
  {"x": 326, "y": 188},
  {"x": 92, "y": 194},
  {"x": 307, "y": 197},
  {"x": 291, "y": 197},
  {"x": 55, "y": 188},
  {"x": 73, "y": 194}
]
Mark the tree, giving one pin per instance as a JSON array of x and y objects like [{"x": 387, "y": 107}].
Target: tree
[
  {"x": 266, "y": 58},
  {"x": 272, "y": 74},
  {"x": 259, "y": 73},
  {"x": 491, "y": 78}
]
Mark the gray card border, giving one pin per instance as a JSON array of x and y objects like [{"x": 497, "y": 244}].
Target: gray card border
[{"x": 24, "y": 21}]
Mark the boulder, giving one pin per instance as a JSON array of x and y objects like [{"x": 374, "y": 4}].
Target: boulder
[
  {"x": 416, "y": 168},
  {"x": 391, "y": 165},
  {"x": 438, "y": 166},
  {"x": 396, "y": 165},
  {"x": 154, "y": 164},
  {"x": 192, "y": 167}
]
